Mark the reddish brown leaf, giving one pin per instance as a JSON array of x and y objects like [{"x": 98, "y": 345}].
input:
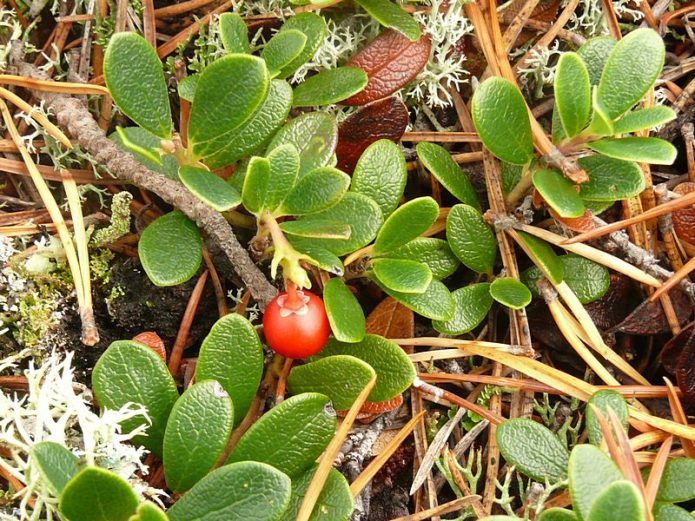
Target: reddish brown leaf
[
  {"x": 153, "y": 341},
  {"x": 370, "y": 409},
  {"x": 615, "y": 305},
  {"x": 383, "y": 119},
  {"x": 392, "y": 320},
  {"x": 685, "y": 372},
  {"x": 684, "y": 219},
  {"x": 649, "y": 318},
  {"x": 673, "y": 348},
  {"x": 390, "y": 61},
  {"x": 583, "y": 223}
]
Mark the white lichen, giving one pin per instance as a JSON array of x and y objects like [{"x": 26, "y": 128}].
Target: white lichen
[{"x": 588, "y": 19}]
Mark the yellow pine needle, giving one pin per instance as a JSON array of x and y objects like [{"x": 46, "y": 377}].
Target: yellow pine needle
[
  {"x": 431, "y": 513},
  {"x": 61, "y": 87},
  {"x": 647, "y": 439},
  {"x": 678, "y": 415}
]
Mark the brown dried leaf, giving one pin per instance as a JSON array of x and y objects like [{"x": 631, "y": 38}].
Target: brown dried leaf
[
  {"x": 584, "y": 223},
  {"x": 392, "y": 320},
  {"x": 390, "y": 61},
  {"x": 649, "y": 318},
  {"x": 383, "y": 119},
  {"x": 153, "y": 341},
  {"x": 615, "y": 305},
  {"x": 684, "y": 219},
  {"x": 370, "y": 409},
  {"x": 685, "y": 372},
  {"x": 674, "y": 347}
]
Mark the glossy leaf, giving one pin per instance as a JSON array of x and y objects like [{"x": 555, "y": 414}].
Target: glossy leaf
[
  {"x": 186, "y": 87},
  {"x": 256, "y": 184},
  {"x": 632, "y": 67},
  {"x": 406, "y": 223},
  {"x": 237, "y": 492},
  {"x": 433, "y": 253},
  {"x": 314, "y": 28},
  {"x": 329, "y": 86},
  {"x": 558, "y": 192},
  {"x": 148, "y": 512},
  {"x": 572, "y": 93},
  {"x": 145, "y": 148},
  {"x": 595, "y": 52},
  {"x": 590, "y": 471},
  {"x": 256, "y": 131},
  {"x": 587, "y": 279},
  {"x": 234, "y": 34},
  {"x": 472, "y": 304},
  {"x": 601, "y": 122},
  {"x": 543, "y": 257},
  {"x": 318, "y": 190},
  {"x": 344, "y": 311},
  {"x": 196, "y": 434},
  {"x": 97, "y": 494},
  {"x": 678, "y": 481},
  {"x": 316, "y": 229},
  {"x": 391, "y": 61},
  {"x": 135, "y": 79},
  {"x": 510, "y": 292},
  {"x": 279, "y": 437},
  {"x": 470, "y": 238},
  {"x": 170, "y": 249},
  {"x": 643, "y": 149},
  {"x": 620, "y": 496},
  {"x": 209, "y": 188},
  {"x": 322, "y": 258},
  {"x": 604, "y": 400},
  {"x": 232, "y": 354},
  {"x": 56, "y": 464},
  {"x": 282, "y": 49},
  {"x": 501, "y": 119},
  {"x": 436, "y": 302},
  {"x": 381, "y": 174},
  {"x": 402, "y": 275},
  {"x": 438, "y": 161},
  {"x": 313, "y": 134},
  {"x": 533, "y": 449},
  {"x": 229, "y": 92},
  {"x": 392, "y": 16},
  {"x": 394, "y": 370},
  {"x": 644, "y": 119},
  {"x": 333, "y": 504},
  {"x": 342, "y": 378},
  {"x": 284, "y": 169},
  {"x": 610, "y": 179}
]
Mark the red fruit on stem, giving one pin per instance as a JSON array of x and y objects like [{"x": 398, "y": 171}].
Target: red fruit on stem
[{"x": 296, "y": 328}]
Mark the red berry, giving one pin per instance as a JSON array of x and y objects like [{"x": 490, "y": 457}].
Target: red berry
[{"x": 296, "y": 329}]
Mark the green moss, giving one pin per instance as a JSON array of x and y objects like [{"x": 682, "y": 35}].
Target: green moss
[
  {"x": 36, "y": 319},
  {"x": 100, "y": 265},
  {"x": 120, "y": 220}
]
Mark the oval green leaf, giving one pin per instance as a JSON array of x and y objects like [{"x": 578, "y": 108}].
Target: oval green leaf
[
  {"x": 558, "y": 192},
  {"x": 234, "y": 34},
  {"x": 590, "y": 471},
  {"x": 595, "y": 52},
  {"x": 433, "y": 253},
  {"x": 587, "y": 279},
  {"x": 333, "y": 504},
  {"x": 318, "y": 190},
  {"x": 558, "y": 514},
  {"x": 471, "y": 239},
  {"x": 329, "y": 86},
  {"x": 618, "y": 497},
  {"x": 572, "y": 93},
  {"x": 604, "y": 401},
  {"x": 316, "y": 229},
  {"x": 438, "y": 161},
  {"x": 391, "y": 15},
  {"x": 186, "y": 87},
  {"x": 145, "y": 146},
  {"x": 402, "y": 275},
  {"x": 344, "y": 311},
  {"x": 314, "y": 28},
  {"x": 96, "y": 494},
  {"x": 436, "y": 302},
  {"x": 610, "y": 179},
  {"x": 644, "y": 119},
  {"x": 472, "y": 304},
  {"x": 642, "y": 149},
  {"x": 284, "y": 169},
  {"x": 381, "y": 174},
  {"x": 283, "y": 49},
  {"x": 543, "y": 257},
  {"x": 255, "y": 186},
  {"x": 209, "y": 188},
  {"x": 510, "y": 292},
  {"x": 406, "y": 223},
  {"x": 678, "y": 481},
  {"x": 56, "y": 464},
  {"x": 170, "y": 249},
  {"x": 148, "y": 512},
  {"x": 670, "y": 512}
]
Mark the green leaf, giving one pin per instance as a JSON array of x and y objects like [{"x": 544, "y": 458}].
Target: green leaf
[
  {"x": 543, "y": 257},
  {"x": 433, "y": 253},
  {"x": 148, "y": 512},
  {"x": 56, "y": 464},
  {"x": 669, "y": 512},
  {"x": 234, "y": 34},
  {"x": 587, "y": 279},
  {"x": 402, "y": 275},
  {"x": 314, "y": 28},
  {"x": 678, "y": 481},
  {"x": 96, "y": 494},
  {"x": 359, "y": 211},
  {"x": 283, "y": 49},
  {"x": 394, "y": 370},
  {"x": 644, "y": 119},
  {"x": 470, "y": 238},
  {"x": 610, "y": 179},
  {"x": 436, "y": 302},
  {"x": 391, "y": 15},
  {"x": 604, "y": 401},
  {"x": 472, "y": 304},
  {"x": 256, "y": 185},
  {"x": 237, "y": 492},
  {"x": 135, "y": 79},
  {"x": 196, "y": 434},
  {"x": 590, "y": 471},
  {"x": 406, "y": 223},
  {"x": 342, "y": 378},
  {"x": 344, "y": 311},
  {"x": 145, "y": 148},
  {"x": 170, "y": 249},
  {"x": 256, "y": 131},
  {"x": 557, "y": 131},
  {"x": 323, "y": 259},
  {"x": 318, "y": 190},
  {"x": 533, "y": 449},
  {"x": 232, "y": 354},
  {"x": 209, "y": 188},
  {"x": 510, "y": 292},
  {"x": 601, "y": 122},
  {"x": 557, "y": 514},
  {"x": 440, "y": 164},
  {"x": 632, "y": 68},
  {"x": 595, "y": 52},
  {"x": 643, "y": 149},
  {"x": 329, "y": 86},
  {"x": 130, "y": 372},
  {"x": 381, "y": 174},
  {"x": 501, "y": 119},
  {"x": 333, "y": 504},
  {"x": 290, "y": 436},
  {"x": 620, "y": 496},
  {"x": 572, "y": 93},
  {"x": 186, "y": 87},
  {"x": 511, "y": 174},
  {"x": 229, "y": 91},
  {"x": 314, "y": 135},
  {"x": 284, "y": 169},
  {"x": 316, "y": 229},
  {"x": 558, "y": 192}
]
